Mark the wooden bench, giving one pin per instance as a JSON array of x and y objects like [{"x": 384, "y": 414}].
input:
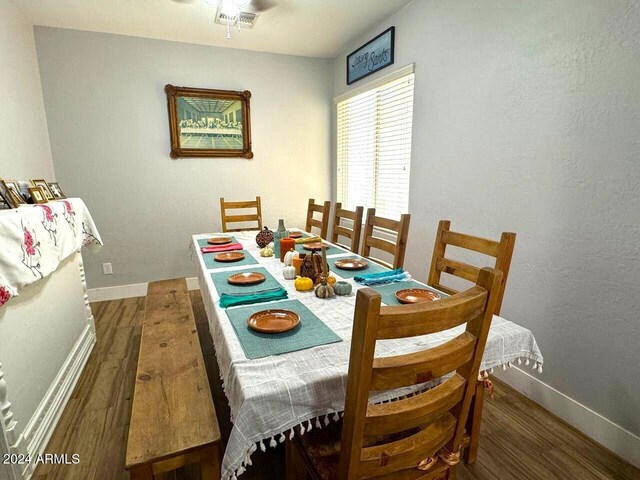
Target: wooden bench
[{"x": 173, "y": 420}]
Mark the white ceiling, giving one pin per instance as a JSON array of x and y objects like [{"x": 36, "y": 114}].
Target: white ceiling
[{"x": 313, "y": 28}]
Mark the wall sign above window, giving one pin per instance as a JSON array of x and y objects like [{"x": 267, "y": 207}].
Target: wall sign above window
[{"x": 372, "y": 56}]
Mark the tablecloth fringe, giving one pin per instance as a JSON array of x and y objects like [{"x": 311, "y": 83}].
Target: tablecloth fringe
[{"x": 325, "y": 419}]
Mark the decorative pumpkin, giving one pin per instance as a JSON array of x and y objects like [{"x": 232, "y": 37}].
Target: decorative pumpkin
[
  {"x": 264, "y": 237},
  {"x": 303, "y": 284},
  {"x": 289, "y": 256},
  {"x": 266, "y": 252},
  {"x": 289, "y": 273},
  {"x": 342, "y": 288},
  {"x": 331, "y": 280},
  {"x": 324, "y": 290}
]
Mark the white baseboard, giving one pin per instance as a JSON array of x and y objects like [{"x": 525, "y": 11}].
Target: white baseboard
[
  {"x": 129, "y": 291},
  {"x": 602, "y": 430},
  {"x": 38, "y": 431}
]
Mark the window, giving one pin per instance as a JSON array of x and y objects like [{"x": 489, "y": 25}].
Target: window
[{"x": 374, "y": 147}]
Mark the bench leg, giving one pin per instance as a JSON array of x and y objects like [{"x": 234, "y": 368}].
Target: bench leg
[
  {"x": 473, "y": 424},
  {"x": 142, "y": 473},
  {"x": 210, "y": 464}
]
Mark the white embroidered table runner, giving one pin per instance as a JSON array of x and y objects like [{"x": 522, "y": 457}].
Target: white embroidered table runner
[
  {"x": 270, "y": 396},
  {"x": 34, "y": 239}
]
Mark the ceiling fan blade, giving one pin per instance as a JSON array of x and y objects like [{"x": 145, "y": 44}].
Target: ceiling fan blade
[{"x": 258, "y": 6}]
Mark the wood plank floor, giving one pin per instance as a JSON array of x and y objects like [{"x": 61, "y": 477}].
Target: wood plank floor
[{"x": 520, "y": 440}]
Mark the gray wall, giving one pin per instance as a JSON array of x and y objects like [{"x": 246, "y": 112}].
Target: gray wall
[
  {"x": 526, "y": 119},
  {"x": 109, "y": 133},
  {"x": 24, "y": 140}
]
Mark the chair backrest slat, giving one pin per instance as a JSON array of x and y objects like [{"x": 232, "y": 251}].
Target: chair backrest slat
[
  {"x": 352, "y": 234},
  {"x": 397, "y": 228},
  {"x": 424, "y": 366},
  {"x": 394, "y": 437},
  {"x": 408, "y": 452},
  {"x": 323, "y": 223},
  {"x": 501, "y": 250},
  {"x": 416, "y": 319},
  {"x": 256, "y": 217},
  {"x": 420, "y": 409}
]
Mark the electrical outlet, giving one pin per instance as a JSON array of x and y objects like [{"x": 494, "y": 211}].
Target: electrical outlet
[{"x": 107, "y": 269}]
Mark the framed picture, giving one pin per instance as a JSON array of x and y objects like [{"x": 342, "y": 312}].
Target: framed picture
[
  {"x": 374, "y": 55},
  {"x": 12, "y": 193},
  {"x": 37, "y": 195},
  {"x": 56, "y": 190},
  {"x": 44, "y": 186},
  {"x": 209, "y": 123}
]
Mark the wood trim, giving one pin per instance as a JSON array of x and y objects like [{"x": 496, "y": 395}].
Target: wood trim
[{"x": 244, "y": 97}]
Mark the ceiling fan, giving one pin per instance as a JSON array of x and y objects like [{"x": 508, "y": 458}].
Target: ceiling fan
[
  {"x": 237, "y": 13},
  {"x": 247, "y": 6}
]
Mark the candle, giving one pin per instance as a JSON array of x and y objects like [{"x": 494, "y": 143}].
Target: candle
[
  {"x": 286, "y": 244},
  {"x": 297, "y": 262}
]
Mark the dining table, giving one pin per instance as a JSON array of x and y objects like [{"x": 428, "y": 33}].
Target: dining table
[{"x": 286, "y": 384}]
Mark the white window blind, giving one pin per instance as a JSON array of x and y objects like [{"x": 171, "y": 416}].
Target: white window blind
[{"x": 374, "y": 148}]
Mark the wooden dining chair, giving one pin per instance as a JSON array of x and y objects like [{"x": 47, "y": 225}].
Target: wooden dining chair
[
  {"x": 255, "y": 217},
  {"x": 501, "y": 250},
  {"x": 420, "y": 436},
  {"x": 353, "y": 233},
  {"x": 323, "y": 223},
  {"x": 397, "y": 228}
]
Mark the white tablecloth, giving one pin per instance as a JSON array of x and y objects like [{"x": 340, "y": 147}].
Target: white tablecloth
[
  {"x": 270, "y": 396},
  {"x": 34, "y": 239}
]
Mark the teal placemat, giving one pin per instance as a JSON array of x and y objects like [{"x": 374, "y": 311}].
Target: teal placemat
[
  {"x": 372, "y": 267},
  {"x": 388, "y": 292},
  {"x": 223, "y": 286},
  {"x": 203, "y": 241},
  {"x": 310, "y": 332},
  {"x": 211, "y": 263}
]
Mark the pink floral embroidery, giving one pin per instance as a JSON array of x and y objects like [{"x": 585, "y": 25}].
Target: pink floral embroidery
[
  {"x": 4, "y": 296},
  {"x": 68, "y": 207},
  {"x": 48, "y": 213},
  {"x": 28, "y": 242}
]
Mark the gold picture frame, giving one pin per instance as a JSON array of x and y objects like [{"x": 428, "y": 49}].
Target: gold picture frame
[
  {"x": 37, "y": 195},
  {"x": 209, "y": 123},
  {"x": 12, "y": 193},
  {"x": 56, "y": 190},
  {"x": 44, "y": 186}
]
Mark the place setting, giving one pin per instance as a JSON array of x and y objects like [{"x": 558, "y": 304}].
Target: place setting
[{"x": 256, "y": 285}]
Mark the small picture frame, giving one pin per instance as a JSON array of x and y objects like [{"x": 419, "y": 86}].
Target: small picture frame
[
  {"x": 37, "y": 195},
  {"x": 12, "y": 193},
  {"x": 44, "y": 186},
  {"x": 56, "y": 190}
]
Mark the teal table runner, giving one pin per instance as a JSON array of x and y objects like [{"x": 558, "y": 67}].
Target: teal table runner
[
  {"x": 372, "y": 267},
  {"x": 223, "y": 286},
  {"x": 202, "y": 242},
  {"x": 388, "y": 292},
  {"x": 211, "y": 263},
  {"x": 310, "y": 332}
]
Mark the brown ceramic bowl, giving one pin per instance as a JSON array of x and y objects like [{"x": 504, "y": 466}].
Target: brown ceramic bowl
[{"x": 273, "y": 321}]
